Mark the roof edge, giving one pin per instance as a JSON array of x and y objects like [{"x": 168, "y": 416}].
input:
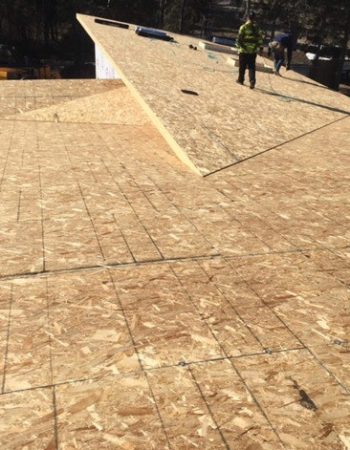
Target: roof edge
[{"x": 179, "y": 152}]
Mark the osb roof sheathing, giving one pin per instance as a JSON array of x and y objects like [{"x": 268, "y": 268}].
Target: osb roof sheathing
[
  {"x": 19, "y": 97},
  {"x": 116, "y": 106},
  {"x": 225, "y": 123},
  {"x": 143, "y": 307}
]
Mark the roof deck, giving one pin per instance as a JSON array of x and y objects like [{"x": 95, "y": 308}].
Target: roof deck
[
  {"x": 225, "y": 123},
  {"x": 145, "y": 307}
]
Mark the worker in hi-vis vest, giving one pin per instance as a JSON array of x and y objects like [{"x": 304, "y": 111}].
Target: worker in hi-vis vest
[{"x": 250, "y": 41}]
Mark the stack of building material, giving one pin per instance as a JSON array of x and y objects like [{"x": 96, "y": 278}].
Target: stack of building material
[
  {"x": 212, "y": 46},
  {"x": 260, "y": 66}
]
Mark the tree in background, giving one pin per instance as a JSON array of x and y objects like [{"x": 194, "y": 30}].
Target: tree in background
[
  {"x": 182, "y": 16},
  {"x": 320, "y": 22},
  {"x": 143, "y": 12},
  {"x": 50, "y": 27},
  {"x": 329, "y": 24}
]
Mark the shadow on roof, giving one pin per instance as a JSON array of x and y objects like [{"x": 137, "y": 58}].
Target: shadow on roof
[{"x": 300, "y": 100}]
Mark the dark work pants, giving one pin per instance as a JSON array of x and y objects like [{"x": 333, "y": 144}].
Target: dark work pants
[{"x": 247, "y": 60}]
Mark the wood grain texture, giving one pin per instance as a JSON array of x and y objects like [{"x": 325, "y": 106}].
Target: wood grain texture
[
  {"x": 225, "y": 123},
  {"x": 144, "y": 307}
]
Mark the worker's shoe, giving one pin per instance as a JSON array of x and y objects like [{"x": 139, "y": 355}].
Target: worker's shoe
[
  {"x": 252, "y": 85},
  {"x": 239, "y": 82}
]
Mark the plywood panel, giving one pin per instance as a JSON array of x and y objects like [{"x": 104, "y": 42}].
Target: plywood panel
[
  {"x": 225, "y": 122},
  {"x": 19, "y": 97},
  {"x": 116, "y": 106}
]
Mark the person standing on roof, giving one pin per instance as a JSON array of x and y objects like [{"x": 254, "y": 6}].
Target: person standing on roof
[
  {"x": 278, "y": 56},
  {"x": 279, "y": 45},
  {"x": 250, "y": 41},
  {"x": 286, "y": 41}
]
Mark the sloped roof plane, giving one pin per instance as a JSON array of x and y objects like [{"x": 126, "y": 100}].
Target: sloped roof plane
[
  {"x": 143, "y": 307},
  {"x": 225, "y": 123}
]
